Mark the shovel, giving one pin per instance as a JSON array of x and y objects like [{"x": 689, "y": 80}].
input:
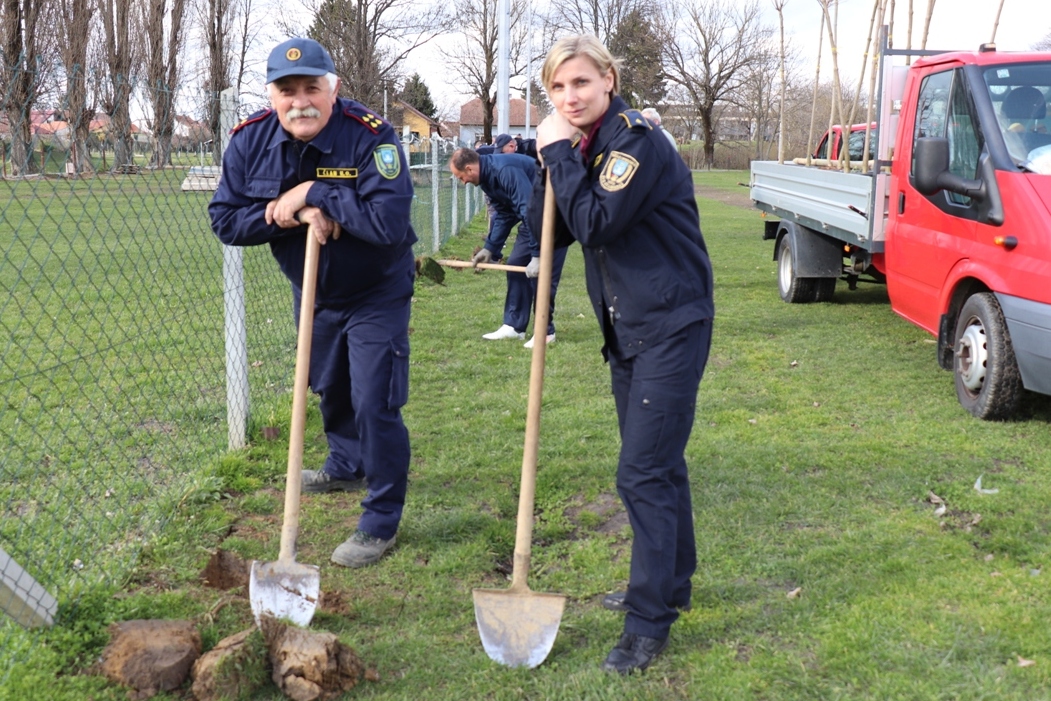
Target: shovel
[
  {"x": 287, "y": 589},
  {"x": 518, "y": 626}
]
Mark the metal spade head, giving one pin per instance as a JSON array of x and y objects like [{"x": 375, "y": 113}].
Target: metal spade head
[
  {"x": 285, "y": 590},
  {"x": 517, "y": 626}
]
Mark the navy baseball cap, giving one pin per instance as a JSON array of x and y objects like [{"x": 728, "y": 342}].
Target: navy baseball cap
[
  {"x": 298, "y": 56},
  {"x": 501, "y": 141}
]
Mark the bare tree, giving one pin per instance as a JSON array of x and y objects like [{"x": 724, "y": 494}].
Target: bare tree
[
  {"x": 1044, "y": 44},
  {"x": 598, "y": 17},
  {"x": 162, "y": 70},
  {"x": 119, "y": 57},
  {"x": 369, "y": 39},
  {"x": 74, "y": 29},
  {"x": 717, "y": 43},
  {"x": 216, "y": 19},
  {"x": 23, "y": 67},
  {"x": 475, "y": 59}
]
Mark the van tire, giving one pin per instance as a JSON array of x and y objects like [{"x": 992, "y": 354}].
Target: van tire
[
  {"x": 824, "y": 288},
  {"x": 988, "y": 383},
  {"x": 794, "y": 290}
]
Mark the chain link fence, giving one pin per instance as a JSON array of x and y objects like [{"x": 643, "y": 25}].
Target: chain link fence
[{"x": 114, "y": 374}]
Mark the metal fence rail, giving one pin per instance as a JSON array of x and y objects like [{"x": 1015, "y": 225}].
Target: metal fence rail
[{"x": 113, "y": 365}]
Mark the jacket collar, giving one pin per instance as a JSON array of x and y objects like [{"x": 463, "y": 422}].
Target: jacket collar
[{"x": 610, "y": 126}]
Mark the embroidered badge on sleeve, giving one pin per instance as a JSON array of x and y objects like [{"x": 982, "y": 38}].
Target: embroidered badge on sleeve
[
  {"x": 388, "y": 163},
  {"x": 618, "y": 171}
]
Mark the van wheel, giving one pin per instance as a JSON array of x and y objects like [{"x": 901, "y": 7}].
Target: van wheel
[
  {"x": 988, "y": 383},
  {"x": 793, "y": 290},
  {"x": 824, "y": 288}
]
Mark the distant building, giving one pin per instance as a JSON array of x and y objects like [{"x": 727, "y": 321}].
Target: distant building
[
  {"x": 412, "y": 125},
  {"x": 471, "y": 114}
]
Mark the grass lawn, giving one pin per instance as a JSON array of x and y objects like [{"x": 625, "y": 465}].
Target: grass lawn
[{"x": 824, "y": 570}]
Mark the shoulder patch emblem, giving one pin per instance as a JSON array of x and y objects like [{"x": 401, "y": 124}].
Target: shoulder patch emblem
[
  {"x": 388, "y": 161},
  {"x": 619, "y": 170}
]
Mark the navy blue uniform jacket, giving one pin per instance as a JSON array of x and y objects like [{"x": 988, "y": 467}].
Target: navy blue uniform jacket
[
  {"x": 632, "y": 208},
  {"x": 360, "y": 182},
  {"x": 507, "y": 178}
]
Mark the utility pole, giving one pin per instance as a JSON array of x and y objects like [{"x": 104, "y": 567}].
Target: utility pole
[{"x": 503, "y": 67}]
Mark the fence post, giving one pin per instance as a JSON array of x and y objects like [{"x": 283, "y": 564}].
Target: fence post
[
  {"x": 455, "y": 218},
  {"x": 436, "y": 192},
  {"x": 467, "y": 203},
  {"x": 234, "y": 311}
]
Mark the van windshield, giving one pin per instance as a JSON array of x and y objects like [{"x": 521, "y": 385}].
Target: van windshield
[{"x": 1019, "y": 93}]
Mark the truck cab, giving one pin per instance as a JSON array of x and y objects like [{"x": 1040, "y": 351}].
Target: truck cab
[
  {"x": 955, "y": 217},
  {"x": 968, "y": 242},
  {"x": 832, "y": 141}
]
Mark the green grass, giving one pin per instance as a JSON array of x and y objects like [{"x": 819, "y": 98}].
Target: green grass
[{"x": 821, "y": 430}]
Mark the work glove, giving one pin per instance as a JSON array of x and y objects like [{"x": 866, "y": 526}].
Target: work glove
[
  {"x": 484, "y": 255},
  {"x": 533, "y": 269}
]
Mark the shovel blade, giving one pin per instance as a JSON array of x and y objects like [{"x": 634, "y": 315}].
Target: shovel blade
[
  {"x": 285, "y": 591},
  {"x": 518, "y": 628}
]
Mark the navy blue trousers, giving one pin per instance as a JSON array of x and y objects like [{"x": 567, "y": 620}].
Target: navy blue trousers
[
  {"x": 359, "y": 365},
  {"x": 656, "y": 395},
  {"x": 521, "y": 290}
]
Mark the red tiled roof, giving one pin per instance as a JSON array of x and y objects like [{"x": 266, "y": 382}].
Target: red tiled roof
[{"x": 471, "y": 113}]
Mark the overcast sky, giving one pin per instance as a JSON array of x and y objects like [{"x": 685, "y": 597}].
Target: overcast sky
[{"x": 956, "y": 24}]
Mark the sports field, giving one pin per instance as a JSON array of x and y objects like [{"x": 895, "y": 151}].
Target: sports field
[{"x": 827, "y": 440}]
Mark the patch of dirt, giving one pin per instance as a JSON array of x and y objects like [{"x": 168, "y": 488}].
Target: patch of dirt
[
  {"x": 607, "y": 508},
  {"x": 335, "y": 602},
  {"x": 729, "y": 197},
  {"x": 225, "y": 570}
]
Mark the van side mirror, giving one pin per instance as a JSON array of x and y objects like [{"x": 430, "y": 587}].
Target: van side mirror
[{"x": 931, "y": 170}]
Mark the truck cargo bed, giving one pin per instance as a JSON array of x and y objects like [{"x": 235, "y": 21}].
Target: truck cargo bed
[{"x": 829, "y": 201}]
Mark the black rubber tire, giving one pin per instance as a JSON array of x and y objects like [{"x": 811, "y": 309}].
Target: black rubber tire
[
  {"x": 988, "y": 383},
  {"x": 792, "y": 289},
  {"x": 824, "y": 288}
]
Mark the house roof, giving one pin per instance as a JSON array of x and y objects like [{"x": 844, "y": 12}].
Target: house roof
[{"x": 471, "y": 113}]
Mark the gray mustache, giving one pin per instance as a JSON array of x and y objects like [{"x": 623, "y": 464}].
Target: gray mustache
[{"x": 308, "y": 112}]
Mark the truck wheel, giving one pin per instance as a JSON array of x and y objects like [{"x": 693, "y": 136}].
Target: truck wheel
[
  {"x": 793, "y": 290},
  {"x": 824, "y": 288},
  {"x": 988, "y": 383}
]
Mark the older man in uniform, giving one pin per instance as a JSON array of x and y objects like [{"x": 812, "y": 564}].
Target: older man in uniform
[
  {"x": 507, "y": 180},
  {"x": 317, "y": 159}
]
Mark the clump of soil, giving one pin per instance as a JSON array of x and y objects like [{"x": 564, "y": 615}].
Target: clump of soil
[
  {"x": 150, "y": 656},
  {"x": 225, "y": 570},
  {"x": 233, "y": 670},
  {"x": 310, "y": 665}
]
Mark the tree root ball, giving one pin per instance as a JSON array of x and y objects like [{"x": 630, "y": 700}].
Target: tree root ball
[
  {"x": 150, "y": 655},
  {"x": 309, "y": 665}
]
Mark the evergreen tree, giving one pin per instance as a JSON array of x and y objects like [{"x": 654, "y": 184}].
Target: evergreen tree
[
  {"x": 417, "y": 94},
  {"x": 635, "y": 41}
]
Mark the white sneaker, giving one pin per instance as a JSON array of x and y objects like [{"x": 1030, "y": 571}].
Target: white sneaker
[
  {"x": 503, "y": 332},
  {"x": 550, "y": 340}
]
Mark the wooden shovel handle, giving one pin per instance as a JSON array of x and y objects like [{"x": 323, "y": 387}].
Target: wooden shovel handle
[
  {"x": 527, "y": 496},
  {"x": 482, "y": 266},
  {"x": 293, "y": 482}
]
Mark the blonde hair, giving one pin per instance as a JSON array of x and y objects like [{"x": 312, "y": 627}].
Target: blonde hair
[{"x": 580, "y": 45}]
